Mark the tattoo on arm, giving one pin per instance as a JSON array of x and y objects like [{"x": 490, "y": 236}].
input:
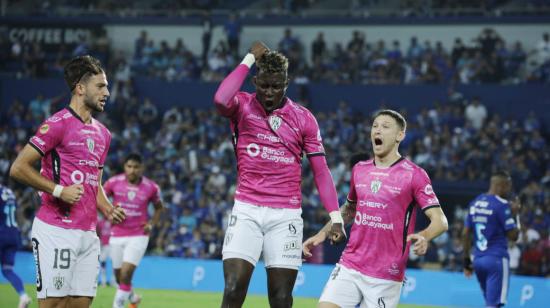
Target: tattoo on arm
[{"x": 348, "y": 214}]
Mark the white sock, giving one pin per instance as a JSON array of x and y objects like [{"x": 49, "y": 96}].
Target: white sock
[
  {"x": 133, "y": 297},
  {"x": 120, "y": 298},
  {"x": 103, "y": 276}
]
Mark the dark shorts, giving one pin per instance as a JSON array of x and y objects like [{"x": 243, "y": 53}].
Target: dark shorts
[
  {"x": 493, "y": 276},
  {"x": 9, "y": 243}
]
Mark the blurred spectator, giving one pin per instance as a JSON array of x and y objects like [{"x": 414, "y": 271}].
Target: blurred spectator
[
  {"x": 476, "y": 113},
  {"x": 206, "y": 36},
  {"x": 532, "y": 260},
  {"x": 81, "y": 48},
  {"x": 140, "y": 44},
  {"x": 515, "y": 257},
  {"x": 232, "y": 30},
  {"x": 318, "y": 47},
  {"x": 542, "y": 49}
]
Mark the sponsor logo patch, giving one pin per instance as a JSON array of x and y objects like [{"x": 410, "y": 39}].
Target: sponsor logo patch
[
  {"x": 44, "y": 128},
  {"x": 428, "y": 190}
]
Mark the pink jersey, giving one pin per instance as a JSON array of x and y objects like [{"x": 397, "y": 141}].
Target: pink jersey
[
  {"x": 104, "y": 230},
  {"x": 270, "y": 148},
  {"x": 386, "y": 200},
  {"x": 73, "y": 152},
  {"x": 134, "y": 199}
]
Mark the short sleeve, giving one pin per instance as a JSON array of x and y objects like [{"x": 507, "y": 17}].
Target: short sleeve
[
  {"x": 103, "y": 158},
  {"x": 313, "y": 143},
  {"x": 352, "y": 195},
  {"x": 155, "y": 196},
  {"x": 424, "y": 194},
  {"x": 108, "y": 187},
  {"x": 505, "y": 217},
  {"x": 48, "y": 136}
]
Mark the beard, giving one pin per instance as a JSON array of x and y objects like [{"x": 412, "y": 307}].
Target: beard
[{"x": 92, "y": 104}]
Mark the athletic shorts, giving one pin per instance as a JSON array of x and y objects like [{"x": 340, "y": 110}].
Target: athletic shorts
[
  {"x": 67, "y": 261},
  {"x": 9, "y": 243},
  {"x": 274, "y": 231},
  {"x": 348, "y": 288},
  {"x": 493, "y": 276},
  {"x": 128, "y": 249}
]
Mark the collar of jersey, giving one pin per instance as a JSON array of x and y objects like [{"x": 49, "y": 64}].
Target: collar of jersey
[{"x": 74, "y": 114}]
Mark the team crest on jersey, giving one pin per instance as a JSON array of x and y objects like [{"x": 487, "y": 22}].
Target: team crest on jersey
[
  {"x": 375, "y": 185},
  {"x": 91, "y": 144},
  {"x": 58, "y": 282},
  {"x": 44, "y": 128},
  {"x": 5, "y": 195},
  {"x": 131, "y": 195},
  {"x": 275, "y": 122}
]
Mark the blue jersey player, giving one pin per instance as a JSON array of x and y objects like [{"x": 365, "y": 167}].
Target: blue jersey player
[
  {"x": 492, "y": 221},
  {"x": 9, "y": 241}
]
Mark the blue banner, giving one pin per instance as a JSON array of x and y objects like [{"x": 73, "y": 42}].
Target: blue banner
[{"x": 422, "y": 287}]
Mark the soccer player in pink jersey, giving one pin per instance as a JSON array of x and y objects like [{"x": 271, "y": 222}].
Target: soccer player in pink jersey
[
  {"x": 384, "y": 194},
  {"x": 133, "y": 192},
  {"x": 72, "y": 146},
  {"x": 271, "y": 135}
]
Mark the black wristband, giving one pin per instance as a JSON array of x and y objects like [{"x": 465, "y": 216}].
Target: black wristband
[{"x": 468, "y": 263}]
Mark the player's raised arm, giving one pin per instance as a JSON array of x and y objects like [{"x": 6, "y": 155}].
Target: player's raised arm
[
  {"x": 328, "y": 196},
  {"x": 233, "y": 82}
]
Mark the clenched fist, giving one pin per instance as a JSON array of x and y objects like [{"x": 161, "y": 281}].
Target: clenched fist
[
  {"x": 72, "y": 194},
  {"x": 258, "y": 49}
]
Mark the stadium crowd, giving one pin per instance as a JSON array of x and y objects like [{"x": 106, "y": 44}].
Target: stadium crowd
[
  {"x": 489, "y": 58},
  {"x": 190, "y": 155}
]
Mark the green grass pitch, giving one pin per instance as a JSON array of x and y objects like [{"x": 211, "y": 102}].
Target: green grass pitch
[{"x": 162, "y": 299}]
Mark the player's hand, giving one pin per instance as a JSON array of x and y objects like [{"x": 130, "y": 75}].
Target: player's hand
[
  {"x": 147, "y": 227},
  {"x": 312, "y": 242},
  {"x": 258, "y": 49},
  {"x": 420, "y": 245},
  {"x": 337, "y": 234},
  {"x": 468, "y": 267},
  {"x": 116, "y": 214},
  {"x": 72, "y": 194}
]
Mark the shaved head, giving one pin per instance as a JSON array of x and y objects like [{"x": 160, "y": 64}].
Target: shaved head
[{"x": 501, "y": 184}]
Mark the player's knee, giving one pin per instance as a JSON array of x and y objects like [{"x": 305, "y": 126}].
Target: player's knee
[
  {"x": 6, "y": 271},
  {"x": 281, "y": 300},
  {"x": 233, "y": 291}
]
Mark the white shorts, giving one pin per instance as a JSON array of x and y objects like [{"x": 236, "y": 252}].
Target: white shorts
[
  {"x": 277, "y": 232},
  {"x": 105, "y": 252},
  {"x": 347, "y": 288},
  {"x": 67, "y": 261},
  {"x": 127, "y": 249}
]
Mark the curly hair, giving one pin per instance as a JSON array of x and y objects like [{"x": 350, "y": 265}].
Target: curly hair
[
  {"x": 80, "y": 69},
  {"x": 273, "y": 62}
]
